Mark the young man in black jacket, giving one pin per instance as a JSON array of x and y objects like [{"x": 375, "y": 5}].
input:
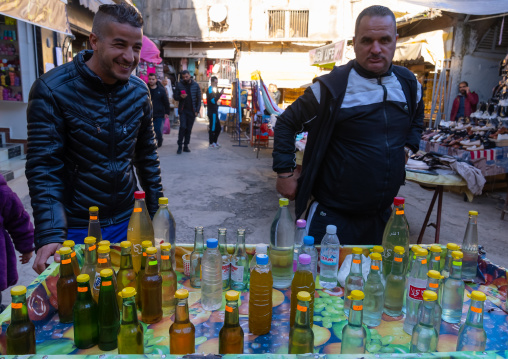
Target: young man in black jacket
[{"x": 160, "y": 105}]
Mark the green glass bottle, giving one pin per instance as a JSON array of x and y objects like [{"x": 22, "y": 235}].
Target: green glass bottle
[
  {"x": 301, "y": 336},
  {"x": 74, "y": 258},
  {"x": 86, "y": 321},
  {"x": 21, "y": 331},
  {"x": 169, "y": 278},
  {"x": 374, "y": 293},
  {"x": 182, "y": 333},
  {"x": 151, "y": 289},
  {"x": 240, "y": 271},
  {"x": 435, "y": 257},
  {"x": 395, "y": 285},
  {"x": 196, "y": 257},
  {"x": 226, "y": 258},
  {"x": 424, "y": 338},
  {"x": 231, "y": 334},
  {"x": 66, "y": 286},
  {"x": 354, "y": 281},
  {"x": 472, "y": 336},
  {"x": 103, "y": 262},
  {"x": 354, "y": 335},
  {"x": 130, "y": 335},
  {"x": 453, "y": 291},
  {"x": 109, "y": 315},
  {"x": 141, "y": 273},
  {"x": 126, "y": 276},
  {"x": 90, "y": 257}
]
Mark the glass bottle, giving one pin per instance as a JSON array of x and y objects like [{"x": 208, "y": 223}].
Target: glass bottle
[
  {"x": 226, "y": 258},
  {"x": 472, "y": 336},
  {"x": 196, "y": 257},
  {"x": 302, "y": 281},
  {"x": 301, "y": 336},
  {"x": 380, "y": 250},
  {"x": 412, "y": 256},
  {"x": 395, "y": 285},
  {"x": 260, "y": 299},
  {"x": 66, "y": 286},
  {"x": 74, "y": 259},
  {"x": 453, "y": 291},
  {"x": 144, "y": 246},
  {"x": 396, "y": 234},
  {"x": 354, "y": 335},
  {"x": 182, "y": 332},
  {"x": 94, "y": 225},
  {"x": 433, "y": 285},
  {"x": 104, "y": 243},
  {"x": 103, "y": 262},
  {"x": 374, "y": 293},
  {"x": 435, "y": 257},
  {"x": 86, "y": 322},
  {"x": 261, "y": 248},
  {"x": 424, "y": 337},
  {"x": 139, "y": 228},
  {"x": 329, "y": 258},
  {"x": 282, "y": 238},
  {"x": 354, "y": 280},
  {"x": 211, "y": 284},
  {"x": 450, "y": 247},
  {"x": 151, "y": 289},
  {"x": 300, "y": 233},
  {"x": 90, "y": 261},
  {"x": 416, "y": 284},
  {"x": 470, "y": 248},
  {"x": 231, "y": 334},
  {"x": 240, "y": 264},
  {"x": 169, "y": 278},
  {"x": 126, "y": 277},
  {"x": 308, "y": 248},
  {"x": 21, "y": 331},
  {"x": 164, "y": 227},
  {"x": 109, "y": 315},
  {"x": 130, "y": 336}
]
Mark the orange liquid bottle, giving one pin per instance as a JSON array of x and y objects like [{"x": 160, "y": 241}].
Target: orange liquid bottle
[
  {"x": 74, "y": 259},
  {"x": 182, "y": 333},
  {"x": 151, "y": 289},
  {"x": 260, "y": 300},
  {"x": 66, "y": 287},
  {"x": 231, "y": 334},
  {"x": 303, "y": 281}
]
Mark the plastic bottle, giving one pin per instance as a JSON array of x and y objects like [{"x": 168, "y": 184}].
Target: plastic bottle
[
  {"x": 472, "y": 336},
  {"x": 395, "y": 284},
  {"x": 196, "y": 257},
  {"x": 450, "y": 247},
  {"x": 396, "y": 234},
  {"x": 240, "y": 264},
  {"x": 374, "y": 293},
  {"x": 308, "y": 248},
  {"x": 211, "y": 284},
  {"x": 282, "y": 238},
  {"x": 424, "y": 337},
  {"x": 433, "y": 285},
  {"x": 417, "y": 282},
  {"x": 21, "y": 331},
  {"x": 435, "y": 257},
  {"x": 300, "y": 233},
  {"x": 354, "y": 335},
  {"x": 139, "y": 228},
  {"x": 86, "y": 322},
  {"x": 182, "y": 333},
  {"x": 260, "y": 300},
  {"x": 130, "y": 335},
  {"x": 126, "y": 277},
  {"x": 144, "y": 246},
  {"x": 354, "y": 280},
  {"x": 169, "y": 277},
  {"x": 66, "y": 287},
  {"x": 329, "y": 258},
  {"x": 261, "y": 248},
  {"x": 453, "y": 291},
  {"x": 90, "y": 257},
  {"x": 302, "y": 281},
  {"x": 380, "y": 250},
  {"x": 226, "y": 258},
  {"x": 470, "y": 248},
  {"x": 231, "y": 333},
  {"x": 103, "y": 262},
  {"x": 94, "y": 225},
  {"x": 164, "y": 227},
  {"x": 301, "y": 336},
  {"x": 109, "y": 314},
  {"x": 151, "y": 289},
  {"x": 74, "y": 259}
]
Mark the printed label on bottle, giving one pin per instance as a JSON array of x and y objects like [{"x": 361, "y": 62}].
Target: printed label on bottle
[
  {"x": 226, "y": 269},
  {"x": 164, "y": 258},
  {"x": 433, "y": 285},
  {"x": 476, "y": 310},
  {"x": 97, "y": 281},
  {"x": 416, "y": 288},
  {"x": 458, "y": 264},
  {"x": 236, "y": 273},
  {"x": 397, "y": 259},
  {"x": 66, "y": 261},
  {"x": 106, "y": 284},
  {"x": 329, "y": 257},
  {"x": 91, "y": 248},
  {"x": 137, "y": 248},
  {"x": 357, "y": 307},
  {"x": 102, "y": 260},
  {"x": 17, "y": 305},
  {"x": 374, "y": 267},
  {"x": 357, "y": 261},
  {"x": 301, "y": 308},
  {"x": 137, "y": 210},
  {"x": 399, "y": 211},
  {"x": 152, "y": 263},
  {"x": 93, "y": 218},
  {"x": 424, "y": 261},
  {"x": 144, "y": 254},
  {"x": 229, "y": 309},
  {"x": 438, "y": 258},
  {"x": 73, "y": 254},
  {"x": 82, "y": 289}
]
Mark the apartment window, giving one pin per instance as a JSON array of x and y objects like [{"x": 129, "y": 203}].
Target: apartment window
[{"x": 288, "y": 23}]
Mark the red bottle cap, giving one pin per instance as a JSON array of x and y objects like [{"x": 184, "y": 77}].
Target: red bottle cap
[
  {"x": 139, "y": 195},
  {"x": 397, "y": 201}
]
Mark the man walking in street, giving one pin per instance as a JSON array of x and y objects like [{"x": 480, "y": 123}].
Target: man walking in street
[
  {"x": 188, "y": 94},
  {"x": 465, "y": 103},
  {"x": 160, "y": 105},
  {"x": 363, "y": 120},
  {"x": 89, "y": 123},
  {"x": 213, "y": 101}
]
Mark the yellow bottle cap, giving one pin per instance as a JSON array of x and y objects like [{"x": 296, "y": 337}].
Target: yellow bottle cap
[
  {"x": 105, "y": 243},
  {"x": 94, "y": 209},
  {"x": 103, "y": 249},
  {"x": 125, "y": 244},
  {"x": 415, "y": 248},
  {"x": 435, "y": 248},
  {"x": 64, "y": 250},
  {"x": 457, "y": 255},
  {"x": 422, "y": 252},
  {"x": 453, "y": 247},
  {"x": 356, "y": 295},
  {"x": 434, "y": 274},
  {"x": 303, "y": 296},
  {"x": 108, "y": 272},
  {"x": 376, "y": 257},
  {"x": 165, "y": 246},
  {"x": 181, "y": 294},
  {"x": 90, "y": 240},
  {"x": 146, "y": 244},
  {"x": 69, "y": 243},
  {"x": 18, "y": 290},
  {"x": 477, "y": 295},
  {"x": 429, "y": 296},
  {"x": 232, "y": 295},
  {"x": 378, "y": 249},
  {"x": 127, "y": 292},
  {"x": 163, "y": 200},
  {"x": 83, "y": 278},
  {"x": 357, "y": 250},
  {"x": 399, "y": 250},
  {"x": 283, "y": 202},
  {"x": 151, "y": 250},
  {"x": 473, "y": 213}
]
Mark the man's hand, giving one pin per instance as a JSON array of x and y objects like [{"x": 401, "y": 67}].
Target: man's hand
[
  {"x": 43, "y": 254},
  {"x": 196, "y": 114},
  {"x": 287, "y": 186},
  {"x": 25, "y": 257},
  {"x": 183, "y": 95}
]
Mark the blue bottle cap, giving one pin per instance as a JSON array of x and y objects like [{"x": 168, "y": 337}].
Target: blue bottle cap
[
  {"x": 308, "y": 240},
  {"x": 212, "y": 243},
  {"x": 262, "y": 259}
]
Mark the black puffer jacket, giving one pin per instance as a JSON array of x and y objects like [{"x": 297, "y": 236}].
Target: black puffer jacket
[{"x": 84, "y": 139}]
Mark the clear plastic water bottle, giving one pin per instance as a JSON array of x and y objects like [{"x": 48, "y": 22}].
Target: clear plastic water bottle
[
  {"x": 94, "y": 225},
  {"x": 211, "y": 284},
  {"x": 164, "y": 228},
  {"x": 240, "y": 264},
  {"x": 329, "y": 258},
  {"x": 374, "y": 293},
  {"x": 416, "y": 285},
  {"x": 354, "y": 280},
  {"x": 282, "y": 240},
  {"x": 308, "y": 248},
  {"x": 424, "y": 337},
  {"x": 453, "y": 291},
  {"x": 226, "y": 258},
  {"x": 261, "y": 248},
  {"x": 300, "y": 232},
  {"x": 470, "y": 248},
  {"x": 472, "y": 336},
  {"x": 396, "y": 234}
]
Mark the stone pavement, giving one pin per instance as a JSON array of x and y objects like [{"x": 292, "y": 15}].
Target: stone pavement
[{"x": 229, "y": 187}]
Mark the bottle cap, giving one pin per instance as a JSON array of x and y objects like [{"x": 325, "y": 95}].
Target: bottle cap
[
  {"x": 283, "y": 202},
  {"x": 198, "y": 229},
  {"x": 108, "y": 272},
  {"x": 397, "y": 201},
  {"x": 212, "y": 243},
  {"x": 94, "y": 209},
  {"x": 378, "y": 249},
  {"x": 64, "y": 250},
  {"x": 262, "y": 259},
  {"x": 83, "y": 278},
  {"x": 434, "y": 274},
  {"x": 139, "y": 195},
  {"x": 232, "y": 295},
  {"x": 457, "y": 255},
  {"x": 103, "y": 249},
  {"x": 261, "y": 248},
  {"x": 151, "y": 250},
  {"x": 304, "y": 259},
  {"x": 125, "y": 244},
  {"x": 223, "y": 230},
  {"x": 435, "y": 248},
  {"x": 301, "y": 223},
  {"x": 18, "y": 290},
  {"x": 422, "y": 252},
  {"x": 477, "y": 295},
  {"x": 181, "y": 294},
  {"x": 127, "y": 292},
  {"x": 415, "y": 248},
  {"x": 399, "y": 250},
  {"x": 240, "y": 231},
  {"x": 473, "y": 213},
  {"x": 356, "y": 295},
  {"x": 308, "y": 240},
  {"x": 331, "y": 229},
  {"x": 104, "y": 243},
  {"x": 163, "y": 200},
  {"x": 90, "y": 240},
  {"x": 166, "y": 247},
  {"x": 376, "y": 257},
  {"x": 303, "y": 296},
  {"x": 69, "y": 243},
  {"x": 429, "y": 296},
  {"x": 357, "y": 250},
  {"x": 146, "y": 244},
  {"x": 453, "y": 247}
]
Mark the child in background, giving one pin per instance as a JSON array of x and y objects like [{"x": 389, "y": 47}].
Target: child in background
[{"x": 16, "y": 231}]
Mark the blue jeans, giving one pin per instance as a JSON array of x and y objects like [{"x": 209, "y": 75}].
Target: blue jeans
[
  {"x": 158, "y": 123},
  {"x": 115, "y": 233}
]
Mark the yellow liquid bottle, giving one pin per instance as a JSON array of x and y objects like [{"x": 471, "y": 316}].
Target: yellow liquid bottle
[
  {"x": 182, "y": 334},
  {"x": 169, "y": 278},
  {"x": 74, "y": 259},
  {"x": 141, "y": 273},
  {"x": 139, "y": 229},
  {"x": 126, "y": 277},
  {"x": 103, "y": 262},
  {"x": 302, "y": 281},
  {"x": 130, "y": 335},
  {"x": 260, "y": 299},
  {"x": 151, "y": 289}
]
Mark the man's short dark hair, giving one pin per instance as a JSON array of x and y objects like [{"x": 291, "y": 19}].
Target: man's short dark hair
[
  {"x": 152, "y": 75},
  {"x": 121, "y": 13},
  {"x": 185, "y": 72},
  {"x": 375, "y": 10},
  {"x": 464, "y": 82},
  {"x": 213, "y": 78}
]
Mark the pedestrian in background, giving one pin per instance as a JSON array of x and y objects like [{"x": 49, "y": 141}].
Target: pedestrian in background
[
  {"x": 213, "y": 102},
  {"x": 188, "y": 94},
  {"x": 160, "y": 105}
]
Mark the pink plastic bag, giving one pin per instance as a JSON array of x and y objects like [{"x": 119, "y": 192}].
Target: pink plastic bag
[{"x": 167, "y": 127}]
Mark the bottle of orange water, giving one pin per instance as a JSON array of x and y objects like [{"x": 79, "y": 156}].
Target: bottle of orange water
[
  {"x": 182, "y": 333},
  {"x": 139, "y": 229},
  {"x": 74, "y": 259},
  {"x": 260, "y": 300}
]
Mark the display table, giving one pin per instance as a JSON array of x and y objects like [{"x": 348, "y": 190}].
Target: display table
[{"x": 54, "y": 338}]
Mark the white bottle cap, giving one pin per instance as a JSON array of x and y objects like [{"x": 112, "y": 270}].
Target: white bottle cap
[
  {"x": 261, "y": 248},
  {"x": 331, "y": 229}
]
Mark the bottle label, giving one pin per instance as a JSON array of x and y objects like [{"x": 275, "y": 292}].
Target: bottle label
[
  {"x": 357, "y": 261},
  {"x": 152, "y": 263},
  {"x": 66, "y": 261},
  {"x": 102, "y": 260},
  {"x": 164, "y": 258},
  {"x": 397, "y": 259},
  {"x": 236, "y": 273},
  {"x": 416, "y": 288},
  {"x": 73, "y": 254},
  {"x": 329, "y": 257},
  {"x": 473, "y": 309},
  {"x": 374, "y": 267},
  {"x": 144, "y": 254},
  {"x": 137, "y": 210},
  {"x": 229, "y": 309},
  {"x": 433, "y": 285},
  {"x": 458, "y": 264},
  {"x": 97, "y": 281},
  {"x": 424, "y": 261},
  {"x": 357, "y": 307},
  {"x": 93, "y": 218},
  {"x": 91, "y": 248},
  {"x": 106, "y": 284},
  {"x": 20, "y": 305},
  {"x": 301, "y": 308},
  {"x": 438, "y": 258},
  {"x": 226, "y": 269},
  {"x": 82, "y": 289},
  {"x": 399, "y": 211}
]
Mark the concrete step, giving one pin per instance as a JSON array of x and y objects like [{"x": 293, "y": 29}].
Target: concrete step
[{"x": 12, "y": 161}]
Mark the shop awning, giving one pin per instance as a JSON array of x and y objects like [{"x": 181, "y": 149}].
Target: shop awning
[
  {"x": 197, "y": 52},
  {"x": 471, "y": 7},
  {"x": 49, "y": 14},
  {"x": 93, "y": 5},
  {"x": 429, "y": 47},
  {"x": 329, "y": 55}
]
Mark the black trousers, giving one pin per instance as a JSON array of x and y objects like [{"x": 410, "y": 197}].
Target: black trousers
[
  {"x": 187, "y": 119},
  {"x": 214, "y": 127}
]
